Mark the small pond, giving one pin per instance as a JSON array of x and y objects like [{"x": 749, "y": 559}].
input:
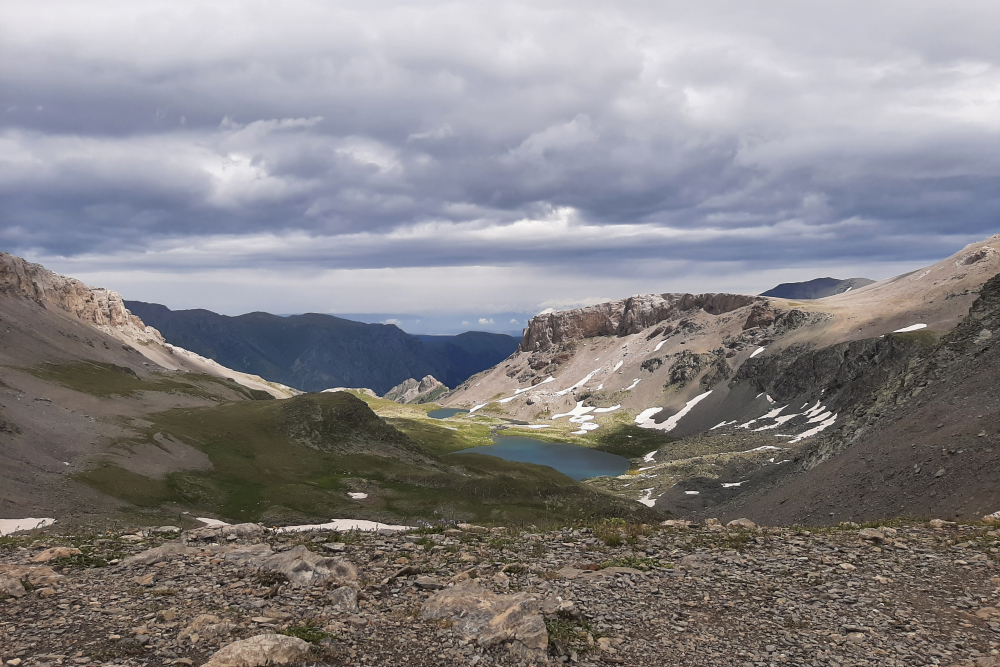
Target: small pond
[
  {"x": 573, "y": 461},
  {"x": 444, "y": 413}
]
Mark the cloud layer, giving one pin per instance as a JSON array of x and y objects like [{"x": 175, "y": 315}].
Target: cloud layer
[{"x": 546, "y": 151}]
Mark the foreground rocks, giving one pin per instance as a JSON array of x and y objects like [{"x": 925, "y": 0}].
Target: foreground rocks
[{"x": 918, "y": 594}]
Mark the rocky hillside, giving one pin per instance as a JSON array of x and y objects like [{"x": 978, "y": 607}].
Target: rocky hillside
[
  {"x": 314, "y": 351},
  {"x": 817, "y": 288},
  {"x": 106, "y": 311},
  {"x": 411, "y": 391},
  {"x": 611, "y": 593},
  {"x": 668, "y": 361}
]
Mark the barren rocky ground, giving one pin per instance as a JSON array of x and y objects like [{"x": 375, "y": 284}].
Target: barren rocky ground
[{"x": 909, "y": 594}]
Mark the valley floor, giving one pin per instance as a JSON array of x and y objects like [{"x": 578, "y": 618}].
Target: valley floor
[{"x": 915, "y": 594}]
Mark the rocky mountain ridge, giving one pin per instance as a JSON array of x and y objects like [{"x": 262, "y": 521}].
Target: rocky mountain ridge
[
  {"x": 105, "y": 310},
  {"x": 622, "y": 318},
  {"x": 315, "y": 351},
  {"x": 102, "y": 308}
]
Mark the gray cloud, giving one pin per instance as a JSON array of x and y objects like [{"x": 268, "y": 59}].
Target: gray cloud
[{"x": 309, "y": 137}]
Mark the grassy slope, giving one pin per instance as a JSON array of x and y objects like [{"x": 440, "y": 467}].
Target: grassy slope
[
  {"x": 295, "y": 460},
  {"x": 108, "y": 380}
]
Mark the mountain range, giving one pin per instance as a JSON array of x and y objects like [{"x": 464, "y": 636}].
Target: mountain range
[
  {"x": 312, "y": 352},
  {"x": 102, "y": 420},
  {"x": 872, "y": 403}
]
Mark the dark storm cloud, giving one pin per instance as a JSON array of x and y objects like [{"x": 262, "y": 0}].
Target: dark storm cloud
[{"x": 181, "y": 136}]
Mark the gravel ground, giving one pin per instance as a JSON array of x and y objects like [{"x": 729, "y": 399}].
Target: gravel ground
[{"x": 915, "y": 594}]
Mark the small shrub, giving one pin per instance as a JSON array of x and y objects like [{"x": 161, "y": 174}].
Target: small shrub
[
  {"x": 308, "y": 631},
  {"x": 634, "y": 562},
  {"x": 270, "y": 578}
]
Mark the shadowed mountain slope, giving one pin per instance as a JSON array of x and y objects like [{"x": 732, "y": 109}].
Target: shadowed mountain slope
[
  {"x": 817, "y": 288},
  {"x": 313, "y": 351}
]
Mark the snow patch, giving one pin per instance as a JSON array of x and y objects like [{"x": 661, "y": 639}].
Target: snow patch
[
  {"x": 477, "y": 407},
  {"x": 721, "y": 424},
  {"x": 770, "y": 415},
  {"x": 732, "y": 484},
  {"x": 617, "y": 366},
  {"x": 692, "y": 493},
  {"x": 645, "y": 420},
  {"x": 507, "y": 400},
  {"x": 659, "y": 345},
  {"x": 759, "y": 350},
  {"x": 912, "y": 327},
  {"x": 211, "y": 523},
  {"x": 8, "y": 526},
  {"x": 343, "y": 525},
  {"x": 611, "y": 409},
  {"x": 358, "y": 495},
  {"x": 538, "y": 426},
  {"x": 648, "y": 458},
  {"x": 578, "y": 384},
  {"x": 647, "y": 497},
  {"x": 814, "y": 430},
  {"x": 578, "y": 411},
  {"x": 631, "y": 386}
]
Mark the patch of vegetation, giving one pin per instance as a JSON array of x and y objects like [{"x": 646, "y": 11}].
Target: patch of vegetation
[
  {"x": 567, "y": 635},
  {"x": 440, "y": 439},
  {"x": 609, "y": 531},
  {"x": 79, "y": 561},
  {"x": 631, "y": 441},
  {"x": 309, "y": 631},
  {"x": 108, "y": 380},
  {"x": 270, "y": 578}
]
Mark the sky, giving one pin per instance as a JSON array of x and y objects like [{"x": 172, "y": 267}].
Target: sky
[{"x": 472, "y": 159}]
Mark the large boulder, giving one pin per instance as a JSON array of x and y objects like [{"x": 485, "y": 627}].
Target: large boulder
[
  {"x": 243, "y": 530},
  {"x": 259, "y": 651},
  {"x": 249, "y": 553},
  {"x": 305, "y": 568},
  {"x": 11, "y": 586},
  {"x": 164, "y": 552},
  {"x": 38, "y": 576},
  {"x": 54, "y": 553},
  {"x": 488, "y": 619}
]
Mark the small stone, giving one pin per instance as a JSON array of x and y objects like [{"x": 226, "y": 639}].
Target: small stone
[
  {"x": 741, "y": 523},
  {"x": 428, "y": 584},
  {"x": 847, "y": 566}
]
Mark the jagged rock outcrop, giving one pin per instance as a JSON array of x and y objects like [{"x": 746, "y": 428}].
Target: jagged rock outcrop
[
  {"x": 98, "y": 306},
  {"x": 623, "y": 317},
  {"x": 483, "y": 617},
  {"x": 411, "y": 391}
]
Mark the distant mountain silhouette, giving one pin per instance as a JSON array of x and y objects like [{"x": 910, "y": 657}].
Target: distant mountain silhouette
[
  {"x": 313, "y": 352},
  {"x": 817, "y": 288}
]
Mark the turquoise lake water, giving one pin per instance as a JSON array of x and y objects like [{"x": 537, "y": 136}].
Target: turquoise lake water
[
  {"x": 444, "y": 413},
  {"x": 573, "y": 461}
]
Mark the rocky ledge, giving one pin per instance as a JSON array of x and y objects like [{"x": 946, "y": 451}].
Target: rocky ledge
[{"x": 676, "y": 594}]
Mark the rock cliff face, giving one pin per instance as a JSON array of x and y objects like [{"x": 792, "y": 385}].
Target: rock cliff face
[
  {"x": 100, "y": 307},
  {"x": 623, "y": 317}
]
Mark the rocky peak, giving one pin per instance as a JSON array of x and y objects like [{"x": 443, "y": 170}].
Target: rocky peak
[
  {"x": 624, "y": 317},
  {"x": 101, "y": 307},
  {"x": 411, "y": 391}
]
